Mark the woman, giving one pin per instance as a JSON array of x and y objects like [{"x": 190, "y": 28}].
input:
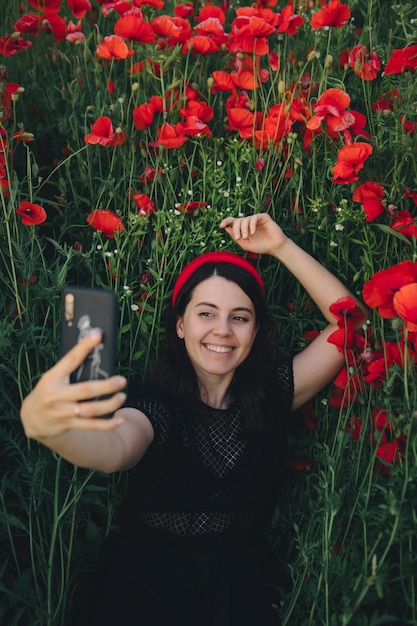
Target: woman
[{"x": 209, "y": 430}]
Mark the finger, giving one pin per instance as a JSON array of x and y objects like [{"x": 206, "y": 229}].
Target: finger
[
  {"x": 90, "y": 412},
  {"x": 90, "y": 389},
  {"x": 244, "y": 227},
  {"x": 74, "y": 357},
  {"x": 226, "y": 222},
  {"x": 253, "y": 223},
  {"x": 98, "y": 425}
]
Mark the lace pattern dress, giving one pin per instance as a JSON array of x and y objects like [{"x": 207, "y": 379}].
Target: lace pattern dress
[{"x": 191, "y": 551}]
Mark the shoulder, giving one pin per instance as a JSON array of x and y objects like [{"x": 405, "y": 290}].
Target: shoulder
[{"x": 158, "y": 406}]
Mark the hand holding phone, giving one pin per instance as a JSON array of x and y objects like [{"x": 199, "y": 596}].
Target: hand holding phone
[{"x": 83, "y": 311}]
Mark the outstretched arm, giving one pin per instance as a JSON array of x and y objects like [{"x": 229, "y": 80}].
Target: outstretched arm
[
  {"x": 66, "y": 417},
  {"x": 319, "y": 363}
]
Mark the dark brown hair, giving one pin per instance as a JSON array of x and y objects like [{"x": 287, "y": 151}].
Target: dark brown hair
[{"x": 175, "y": 373}]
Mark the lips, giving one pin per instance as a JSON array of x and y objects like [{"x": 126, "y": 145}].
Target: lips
[{"x": 219, "y": 349}]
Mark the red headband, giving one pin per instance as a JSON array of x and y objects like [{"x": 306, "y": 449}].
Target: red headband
[{"x": 214, "y": 257}]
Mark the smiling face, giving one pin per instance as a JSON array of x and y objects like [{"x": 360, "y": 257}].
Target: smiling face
[{"x": 218, "y": 327}]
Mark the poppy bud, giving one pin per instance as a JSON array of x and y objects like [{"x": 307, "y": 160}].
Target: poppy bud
[{"x": 328, "y": 61}]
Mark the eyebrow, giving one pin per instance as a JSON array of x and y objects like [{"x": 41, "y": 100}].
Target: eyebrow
[{"x": 214, "y": 306}]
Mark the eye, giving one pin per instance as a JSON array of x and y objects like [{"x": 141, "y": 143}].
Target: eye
[
  {"x": 205, "y": 314},
  {"x": 240, "y": 318}
]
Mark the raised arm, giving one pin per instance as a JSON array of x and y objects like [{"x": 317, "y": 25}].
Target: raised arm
[
  {"x": 319, "y": 363},
  {"x": 66, "y": 417}
]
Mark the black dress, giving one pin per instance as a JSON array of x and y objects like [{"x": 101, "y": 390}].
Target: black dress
[{"x": 191, "y": 551}]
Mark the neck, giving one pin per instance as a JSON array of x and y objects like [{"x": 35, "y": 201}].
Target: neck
[{"x": 217, "y": 397}]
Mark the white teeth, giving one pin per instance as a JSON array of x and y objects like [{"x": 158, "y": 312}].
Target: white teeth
[{"x": 219, "y": 349}]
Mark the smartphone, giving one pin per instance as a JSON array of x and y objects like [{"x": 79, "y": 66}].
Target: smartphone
[{"x": 83, "y": 310}]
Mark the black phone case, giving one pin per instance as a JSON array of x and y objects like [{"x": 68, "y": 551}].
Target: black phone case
[{"x": 84, "y": 309}]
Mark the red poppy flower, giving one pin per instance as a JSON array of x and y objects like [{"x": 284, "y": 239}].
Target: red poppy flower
[
  {"x": 409, "y": 127},
  {"x": 184, "y": 9},
  {"x": 113, "y": 47},
  {"x": 210, "y": 11},
  {"x": 350, "y": 384},
  {"x": 119, "y": 6},
  {"x": 158, "y": 4},
  {"x": 145, "y": 205},
  {"x": 311, "y": 335},
  {"x": 79, "y": 8},
  {"x": 143, "y": 116},
  {"x": 200, "y": 44},
  {"x": 405, "y": 223},
  {"x": 392, "y": 451},
  {"x": 150, "y": 174},
  {"x": 192, "y": 127},
  {"x": 288, "y": 21},
  {"x": 167, "y": 26},
  {"x": 244, "y": 79},
  {"x": 132, "y": 26},
  {"x": 331, "y": 107},
  {"x": 333, "y": 14},
  {"x": 350, "y": 161},
  {"x": 388, "y": 101},
  {"x": 379, "y": 291},
  {"x": 168, "y": 137},
  {"x": 221, "y": 81},
  {"x": 74, "y": 32},
  {"x": 30, "y": 213},
  {"x": 359, "y": 124},
  {"x": 104, "y": 133},
  {"x": 365, "y": 64},
  {"x": 347, "y": 312},
  {"x": 411, "y": 194},
  {"x": 355, "y": 428},
  {"x": 177, "y": 29},
  {"x": 395, "y": 353},
  {"x": 4, "y": 185},
  {"x": 250, "y": 35},
  {"x": 239, "y": 118},
  {"x": 405, "y": 305},
  {"x": 106, "y": 221},
  {"x": 401, "y": 60},
  {"x": 380, "y": 420},
  {"x": 260, "y": 164},
  {"x": 10, "y": 45},
  {"x": 212, "y": 28},
  {"x": 28, "y": 23},
  {"x": 190, "y": 207},
  {"x": 55, "y": 25},
  {"x": 199, "y": 109},
  {"x": 275, "y": 125},
  {"x": 369, "y": 194}
]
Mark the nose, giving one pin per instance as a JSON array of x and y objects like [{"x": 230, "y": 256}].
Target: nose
[{"x": 222, "y": 327}]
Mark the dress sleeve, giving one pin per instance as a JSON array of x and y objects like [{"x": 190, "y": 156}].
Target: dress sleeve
[{"x": 147, "y": 400}]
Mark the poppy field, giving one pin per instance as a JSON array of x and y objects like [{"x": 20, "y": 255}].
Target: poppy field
[{"x": 128, "y": 130}]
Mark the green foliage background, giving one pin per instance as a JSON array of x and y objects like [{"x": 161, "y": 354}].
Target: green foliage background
[{"x": 345, "y": 535}]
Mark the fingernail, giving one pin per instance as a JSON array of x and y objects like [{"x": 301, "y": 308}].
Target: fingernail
[{"x": 122, "y": 382}]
